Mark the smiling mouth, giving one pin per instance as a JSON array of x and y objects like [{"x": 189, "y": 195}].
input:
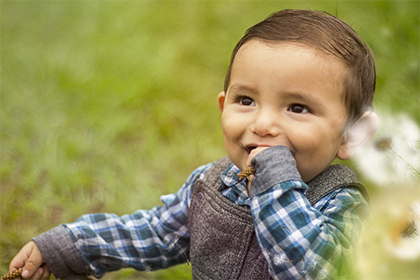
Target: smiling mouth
[{"x": 250, "y": 148}]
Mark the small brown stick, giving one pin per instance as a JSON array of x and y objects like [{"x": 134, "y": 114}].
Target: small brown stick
[
  {"x": 245, "y": 173},
  {"x": 13, "y": 275}
]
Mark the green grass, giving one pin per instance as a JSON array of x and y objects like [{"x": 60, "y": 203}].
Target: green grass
[{"x": 107, "y": 105}]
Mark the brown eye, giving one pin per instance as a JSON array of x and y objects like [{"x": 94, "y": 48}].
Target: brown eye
[
  {"x": 246, "y": 101},
  {"x": 298, "y": 108}
]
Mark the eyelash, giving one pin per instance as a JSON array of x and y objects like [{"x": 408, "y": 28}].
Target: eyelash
[
  {"x": 239, "y": 99},
  {"x": 308, "y": 110}
]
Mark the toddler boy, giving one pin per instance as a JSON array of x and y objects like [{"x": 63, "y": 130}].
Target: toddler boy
[{"x": 297, "y": 95}]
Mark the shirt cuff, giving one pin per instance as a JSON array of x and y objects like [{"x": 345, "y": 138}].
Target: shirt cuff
[
  {"x": 59, "y": 252},
  {"x": 273, "y": 166}
]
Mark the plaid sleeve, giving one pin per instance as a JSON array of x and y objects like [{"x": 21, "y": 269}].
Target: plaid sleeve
[
  {"x": 304, "y": 242},
  {"x": 144, "y": 240}
]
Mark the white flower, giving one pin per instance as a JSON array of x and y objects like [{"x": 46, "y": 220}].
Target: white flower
[
  {"x": 392, "y": 157},
  {"x": 404, "y": 239},
  {"x": 172, "y": 244},
  {"x": 279, "y": 259},
  {"x": 148, "y": 269}
]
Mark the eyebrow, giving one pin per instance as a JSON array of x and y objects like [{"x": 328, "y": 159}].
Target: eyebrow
[
  {"x": 305, "y": 97},
  {"x": 242, "y": 88}
]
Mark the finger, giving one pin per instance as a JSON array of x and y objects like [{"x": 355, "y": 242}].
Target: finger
[
  {"x": 30, "y": 270},
  {"x": 248, "y": 185},
  {"x": 34, "y": 261},
  {"x": 15, "y": 264},
  {"x": 38, "y": 274},
  {"x": 34, "y": 276},
  {"x": 46, "y": 273},
  {"x": 19, "y": 260},
  {"x": 254, "y": 152}
]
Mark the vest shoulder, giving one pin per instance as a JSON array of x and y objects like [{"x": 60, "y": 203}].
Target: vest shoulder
[
  {"x": 332, "y": 178},
  {"x": 212, "y": 175}
]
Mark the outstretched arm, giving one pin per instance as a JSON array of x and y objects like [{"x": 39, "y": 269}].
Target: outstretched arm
[{"x": 104, "y": 242}]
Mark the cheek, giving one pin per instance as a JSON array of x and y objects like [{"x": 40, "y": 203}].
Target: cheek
[
  {"x": 313, "y": 155},
  {"x": 305, "y": 138},
  {"x": 231, "y": 127},
  {"x": 316, "y": 144}
]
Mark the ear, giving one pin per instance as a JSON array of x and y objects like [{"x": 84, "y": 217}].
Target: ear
[
  {"x": 221, "y": 100},
  {"x": 357, "y": 135}
]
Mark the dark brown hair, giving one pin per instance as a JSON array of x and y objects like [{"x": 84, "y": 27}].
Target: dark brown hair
[{"x": 329, "y": 35}]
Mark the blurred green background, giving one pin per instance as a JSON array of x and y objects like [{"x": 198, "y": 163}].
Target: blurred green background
[{"x": 107, "y": 105}]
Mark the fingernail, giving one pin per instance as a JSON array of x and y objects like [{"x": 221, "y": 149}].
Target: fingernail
[
  {"x": 25, "y": 273},
  {"x": 40, "y": 271}
]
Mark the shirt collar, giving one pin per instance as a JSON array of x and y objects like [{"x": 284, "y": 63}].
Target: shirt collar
[{"x": 231, "y": 180}]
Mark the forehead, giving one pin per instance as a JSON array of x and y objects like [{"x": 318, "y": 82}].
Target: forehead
[
  {"x": 300, "y": 63},
  {"x": 260, "y": 45}
]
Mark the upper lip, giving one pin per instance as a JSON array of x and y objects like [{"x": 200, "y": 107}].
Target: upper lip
[{"x": 252, "y": 146}]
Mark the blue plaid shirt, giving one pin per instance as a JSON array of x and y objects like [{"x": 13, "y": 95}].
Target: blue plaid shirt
[{"x": 298, "y": 240}]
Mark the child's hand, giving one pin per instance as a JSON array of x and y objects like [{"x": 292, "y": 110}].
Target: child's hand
[
  {"x": 251, "y": 155},
  {"x": 30, "y": 258}
]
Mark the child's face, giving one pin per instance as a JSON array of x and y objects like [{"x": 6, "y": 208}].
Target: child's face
[{"x": 284, "y": 94}]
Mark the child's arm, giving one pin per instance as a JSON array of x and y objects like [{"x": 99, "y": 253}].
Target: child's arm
[
  {"x": 299, "y": 240},
  {"x": 31, "y": 260},
  {"x": 144, "y": 240}
]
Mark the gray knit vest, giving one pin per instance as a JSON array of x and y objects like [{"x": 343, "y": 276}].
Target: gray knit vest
[{"x": 223, "y": 243}]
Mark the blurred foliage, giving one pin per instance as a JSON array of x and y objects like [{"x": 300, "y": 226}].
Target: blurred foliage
[{"x": 106, "y": 105}]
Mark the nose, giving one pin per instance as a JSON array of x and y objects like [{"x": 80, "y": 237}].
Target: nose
[{"x": 266, "y": 122}]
